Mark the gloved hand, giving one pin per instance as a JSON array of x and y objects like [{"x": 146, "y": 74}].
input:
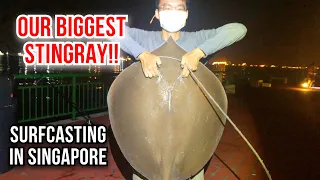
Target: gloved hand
[
  {"x": 191, "y": 59},
  {"x": 149, "y": 64}
]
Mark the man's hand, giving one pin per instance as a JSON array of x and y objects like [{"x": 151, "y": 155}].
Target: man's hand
[
  {"x": 191, "y": 59},
  {"x": 149, "y": 64}
]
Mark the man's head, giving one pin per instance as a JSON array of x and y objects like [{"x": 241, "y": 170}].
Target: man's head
[
  {"x": 160, "y": 3},
  {"x": 172, "y": 14}
]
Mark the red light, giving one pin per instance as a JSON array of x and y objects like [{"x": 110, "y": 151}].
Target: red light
[{"x": 11, "y": 95}]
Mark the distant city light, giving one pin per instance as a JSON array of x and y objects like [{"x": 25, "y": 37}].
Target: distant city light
[
  {"x": 20, "y": 54},
  {"x": 217, "y": 63},
  {"x": 305, "y": 85},
  {"x": 262, "y": 65}
]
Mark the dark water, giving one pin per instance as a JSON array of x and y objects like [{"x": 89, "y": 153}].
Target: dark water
[
  {"x": 288, "y": 124},
  {"x": 13, "y": 64},
  {"x": 294, "y": 76}
]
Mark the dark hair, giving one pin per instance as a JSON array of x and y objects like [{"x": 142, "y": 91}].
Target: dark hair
[{"x": 158, "y": 1}]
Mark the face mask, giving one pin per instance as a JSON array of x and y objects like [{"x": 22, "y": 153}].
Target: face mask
[{"x": 172, "y": 20}]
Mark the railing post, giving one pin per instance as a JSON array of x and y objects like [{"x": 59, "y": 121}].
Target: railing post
[{"x": 74, "y": 95}]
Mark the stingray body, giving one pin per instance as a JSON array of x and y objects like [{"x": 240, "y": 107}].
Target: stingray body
[{"x": 165, "y": 127}]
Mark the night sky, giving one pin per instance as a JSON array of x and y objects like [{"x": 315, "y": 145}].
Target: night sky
[{"x": 280, "y": 32}]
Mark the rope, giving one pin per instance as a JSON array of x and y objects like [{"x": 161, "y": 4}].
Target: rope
[{"x": 227, "y": 117}]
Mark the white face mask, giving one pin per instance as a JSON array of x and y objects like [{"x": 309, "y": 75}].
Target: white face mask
[{"x": 172, "y": 20}]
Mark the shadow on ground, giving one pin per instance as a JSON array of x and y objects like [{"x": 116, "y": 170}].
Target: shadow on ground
[{"x": 288, "y": 123}]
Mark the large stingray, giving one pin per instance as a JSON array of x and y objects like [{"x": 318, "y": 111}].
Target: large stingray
[{"x": 165, "y": 127}]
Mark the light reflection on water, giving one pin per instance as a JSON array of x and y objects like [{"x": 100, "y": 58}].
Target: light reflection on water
[{"x": 13, "y": 64}]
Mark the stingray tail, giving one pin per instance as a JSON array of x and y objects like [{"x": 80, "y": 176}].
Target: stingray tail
[{"x": 168, "y": 167}]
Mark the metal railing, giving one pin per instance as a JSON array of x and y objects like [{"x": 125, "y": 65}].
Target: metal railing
[{"x": 46, "y": 96}]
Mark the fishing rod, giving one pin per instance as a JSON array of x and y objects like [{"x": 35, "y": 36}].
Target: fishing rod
[{"x": 207, "y": 94}]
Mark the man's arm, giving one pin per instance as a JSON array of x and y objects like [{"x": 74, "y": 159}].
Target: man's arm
[
  {"x": 129, "y": 43},
  {"x": 211, "y": 41}
]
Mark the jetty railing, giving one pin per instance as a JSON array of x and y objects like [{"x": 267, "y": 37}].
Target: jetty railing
[{"x": 51, "y": 96}]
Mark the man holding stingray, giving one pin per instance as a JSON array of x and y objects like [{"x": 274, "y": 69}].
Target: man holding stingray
[{"x": 172, "y": 15}]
